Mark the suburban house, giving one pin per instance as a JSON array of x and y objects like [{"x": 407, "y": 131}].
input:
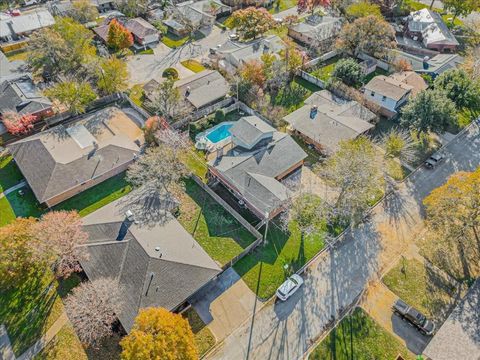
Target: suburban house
[
  {"x": 411, "y": 78},
  {"x": 432, "y": 66},
  {"x": 20, "y": 95},
  {"x": 428, "y": 27},
  {"x": 69, "y": 158},
  {"x": 459, "y": 336},
  {"x": 143, "y": 32},
  {"x": 325, "y": 120},
  {"x": 387, "y": 92},
  {"x": 104, "y": 5},
  {"x": 316, "y": 29},
  {"x": 17, "y": 28},
  {"x": 197, "y": 91},
  {"x": 232, "y": 54},
  {"x": 254, "y": 168},
  {"x": 199, "y": 14},
  {"x": 156, "y": 265}
]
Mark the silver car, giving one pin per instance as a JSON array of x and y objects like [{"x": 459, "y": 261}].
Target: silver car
[{"x": 289, "y": 287}]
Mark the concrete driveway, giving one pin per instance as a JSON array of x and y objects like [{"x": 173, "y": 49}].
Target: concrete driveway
[
  {"x": 225, "y": 303},
  {"x": 378, "y": 304}
]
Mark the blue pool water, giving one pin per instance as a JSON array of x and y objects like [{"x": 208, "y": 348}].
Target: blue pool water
[{"x": 220, "y": 133}]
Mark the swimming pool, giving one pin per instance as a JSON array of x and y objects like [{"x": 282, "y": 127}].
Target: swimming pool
[{"x": 219, "y": 133}]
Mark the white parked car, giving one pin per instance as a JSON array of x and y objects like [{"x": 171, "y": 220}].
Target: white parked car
[{"x": 289, "y": 287}]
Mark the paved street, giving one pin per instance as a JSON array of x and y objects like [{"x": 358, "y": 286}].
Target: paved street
[
  {"x": 143, "y": 68},
  {"x": 286, "y": 330}
]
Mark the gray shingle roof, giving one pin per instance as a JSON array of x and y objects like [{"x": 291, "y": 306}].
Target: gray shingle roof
[
  {"x": 64, "y": 157},
  {"x": 336, "y": 120},
  {"x": 253, "y": 173},
  {"x": 21, "y": 96},
  {"x": 436, "y": 65},
  {"x": 204, "y": 87},
  {"x": 26, "y": 22},
  {"x": 459, "y": 336},
  {"x": 164, "y": 278},
  {"x": 323, "y": 27},
  {"x": 140, "y": 27},
  {"x": 389, "y": 87},
  {"x": 250, "y": 129}
]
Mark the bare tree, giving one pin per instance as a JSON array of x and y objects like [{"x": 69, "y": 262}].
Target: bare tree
[
  {"x": 398, "y": 143},
  {"x": 92, "y": 307},
  {"x": 60, "y": 236},
  {"x": 167, "y": 100}
]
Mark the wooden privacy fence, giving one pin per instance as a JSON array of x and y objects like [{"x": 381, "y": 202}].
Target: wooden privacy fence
[{"x": 258, "y": 236}]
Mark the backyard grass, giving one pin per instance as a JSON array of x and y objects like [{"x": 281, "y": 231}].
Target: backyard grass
[
  {"x": 31, "y": 307},
  {"x": 313, "y": 156},
  {"x": 10, "y": 174},
  {"x": 100, "y": 195},
  {"x": 226, "y": 21},
  {"x": 420, "y": 287},
  {"x": 136, "y": 94},
  {"x": 324, "y": 71},
  {"x": 264, "y": 269},
  {"x": 281, "y": 5},
  {"x": 359, "y": 337},
  {"x": 21, "y": 55},
  {"x": 204, "y": 338},
  {"x": 193, "y": 65},
  {"x": 24, "y": 205},
  {"x": 195, "y": 162},
  {"x": 7, "y": 215},
  {"x": 219, "y": 233},
  {"x": 173, "y": 41},
  {"x": 293, "y": 96}
]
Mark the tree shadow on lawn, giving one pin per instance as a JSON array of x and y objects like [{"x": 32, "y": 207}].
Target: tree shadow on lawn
[
  {"x": 25, "y": 205},
  {"x": 25, "y": 309},
  {"x": 219, "y": 222},
  {"x": 10, "y": 174}
]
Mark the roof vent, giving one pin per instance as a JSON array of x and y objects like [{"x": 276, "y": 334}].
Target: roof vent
[
  {"x": 157, "y": 248},
  {"x": 129, "y": 215},
  {"x": 313, "y": 111}
]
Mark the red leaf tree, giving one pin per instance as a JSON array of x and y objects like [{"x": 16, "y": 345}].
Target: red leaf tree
[
  {"x": 311, "y": 5},
  {"x": 118, "y": 36},
  {"x": 18, "y": 124}
]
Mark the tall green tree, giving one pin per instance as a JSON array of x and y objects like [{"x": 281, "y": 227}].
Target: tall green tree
[
  {"x": 370, "y": 35},
  {"x": 47, "y": 52},
  {"x": 363, "y": 8},
  {"x": 112, "y": 76},
  {"x": 83, "y": 11},
  {"x": 72, "y": 94},
  {"x": 461, "y": 7},
  {"x": 252, "y": 22},
  {"x": 460, "y": 88},
  {"x": 349, "y": 71},
  {"x": 430, "y": 110}
]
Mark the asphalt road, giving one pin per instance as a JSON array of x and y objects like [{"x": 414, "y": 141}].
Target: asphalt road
[{"x": 287, "y": 330}]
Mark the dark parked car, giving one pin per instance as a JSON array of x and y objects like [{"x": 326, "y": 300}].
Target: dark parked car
[
  {"x": 415, "y": 317},
  {"x": 434, "y": 160}
]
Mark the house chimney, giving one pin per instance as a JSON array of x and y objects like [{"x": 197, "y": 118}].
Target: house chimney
[
  {"x": 425, "y": 62},
  {"x": 313, "y": 111}
]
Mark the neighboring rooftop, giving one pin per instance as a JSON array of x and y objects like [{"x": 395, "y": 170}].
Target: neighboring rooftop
[
  {"x": 140, "y": 27},
  {"x": 253, "y": 173},
  {"x": 203, "y": 88},
  {"x": 22, "y": 96},
  {"x": 432, "y": 27},
  {"x": 424, "y": 64},
  {"x": 388, "y": 86},
  {"x": 63, "y": 157},
  {"x": 253, "y": 50},
  {"x": 459, "y": 336},
  {"x": 159, "y": 265},
  {"x": 412, "y": 79},
  {"x": 335, "y": 119},
  {"x": 25, "y": 23},
  {"x": 318, "y": 27}
]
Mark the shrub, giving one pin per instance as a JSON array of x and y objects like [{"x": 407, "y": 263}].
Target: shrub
[
  {"x": 170, "y": 73},
  {"x": 348, "y": 71},
  {"x": 219, "y": 115}
]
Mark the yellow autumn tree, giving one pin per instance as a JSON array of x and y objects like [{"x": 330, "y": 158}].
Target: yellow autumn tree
[
  {"x": 159, "y": 334},
  {"x": 453, "y": 213}
]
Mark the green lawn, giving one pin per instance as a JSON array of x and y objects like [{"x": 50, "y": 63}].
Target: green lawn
[
  {"x": 136, "y": 94},
  {"x": 281, "y": 5},
  {"x": 226, "y": 21},
  {"x": 219, "y": 233},
  {"x": 146, "y": 52},
  {"x": 377, "y": 72},
  {"x": 193, "y": 65},
  {"x": 31, "y": 307},
  {"x": 18, "y": 55},
  {"x": 7, "y": 215},
  {"x": 196, "y": 163},
  {"x": 359, "y": 337},
  {"x": 324, "y": 71},
  {"x": 10, "y": 174},
  {"x": 292, "y": 96},
  {"x": 94, "y": 198},
  {"x": 420, "y": 287},
  {"x": 313, "y": 156},
  {"x": 264, "y": 269},
  {"x": 204, "y": 339},
  {"x": 174, "y": 41}
]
